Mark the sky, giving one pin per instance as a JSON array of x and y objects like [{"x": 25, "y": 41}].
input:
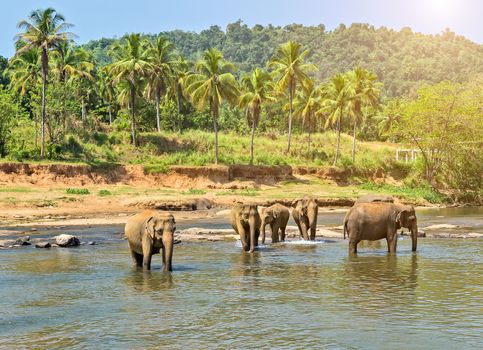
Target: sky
[{"x": 94, "y": 19}]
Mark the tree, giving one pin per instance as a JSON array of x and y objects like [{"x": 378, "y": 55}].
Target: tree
[
  {"x": 364, "y": 89},
  {"x": 257, "y": 89},
  {"x": 307, "y": 105},
  {"x": 159, "y": 54},
  {"x": 336, "y": 97},
  {"x": 130, "y": 65},
  {"x": 45, "y": 30},
  {"x": 289, "y": 68},
  {"x": 212, "y": 83},
  {"x": 389, "y": 116},
  {"x": 106, "y": 90},
  {"x": 181, "y": 70}
]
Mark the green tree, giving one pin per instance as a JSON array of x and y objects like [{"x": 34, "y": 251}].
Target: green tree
[
  {"x": 307, "y": 105},
  {"x": 45, "y": 30},
  {"x": 257, "y": 89},
  {"x": 335, "y": 100},
  {"x": 107, "y": 90},
  {"x": 159, "y": 73},
  {"x": 130, "y": 65},
  {"x": 212, "y": 83},
  {"x": 289, "y": 68},
  {"x": 8, "y": 111},
  {"x": 364, "y": 89}
]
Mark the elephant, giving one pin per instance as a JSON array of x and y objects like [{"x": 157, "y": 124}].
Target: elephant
[
  {"x": 245, "y": 220},
  {"x": 377, "y": 220},
  {"x": 276, "y": 216},
  {"x": 305, "y": 212},
  {"x": 369, "y": 198},
  {"x": 149, "y": 232}
]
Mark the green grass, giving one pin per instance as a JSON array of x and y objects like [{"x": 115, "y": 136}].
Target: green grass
[
  {"x": 194, "y": 191},
  {"x": 415, "y": 193},
  {"x": 104, "y": 193},
  {"x": 247, "y": 192},
  {"x": 16, "y": 190},
  {"x": 80, "y": 191}
]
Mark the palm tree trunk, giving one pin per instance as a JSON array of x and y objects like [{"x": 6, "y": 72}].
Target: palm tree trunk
[
  {"x": 158, "y": 97},
  {"x": 110, "y": 114},
  {"x": 290, "y": 118},
  {"x": 83, "y": 112},
  {"x": 44, "y": 85},
  {"x": 354, "y": 143},
  {"x": 253, "y": 137},
  {"x": 309, "y": 129},
  {"x": 178, "y": 97},
  {"x": 338, "y": 142},
  {"x": 133, "y": 120}
]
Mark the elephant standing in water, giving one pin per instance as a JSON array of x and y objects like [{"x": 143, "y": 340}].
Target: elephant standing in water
[
  {"x": 305, "y": 215},
  {"x": 276, "y": 216},
  {"x": 377, "y": 220},
  {"x": 245, "y": 220},
  {"x": 149, "y": 232}
]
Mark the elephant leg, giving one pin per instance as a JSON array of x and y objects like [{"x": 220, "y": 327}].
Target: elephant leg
[
  {"x": 257, "y": 235},
  {"x": 274, "y": 233},
  {"x": 312, "y": 232},
  {"x": 243, "y": 237},
  {"x": 147, "y": 254},
  {"x": 353, "y": 246},
  {"x": 282, "y": 234},
  {"x": 137, "y": 258},
  {"x": 392, "y": 243}
]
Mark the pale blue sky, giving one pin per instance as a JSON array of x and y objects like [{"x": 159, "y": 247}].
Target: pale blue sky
[{"x": 94, "y": 19}]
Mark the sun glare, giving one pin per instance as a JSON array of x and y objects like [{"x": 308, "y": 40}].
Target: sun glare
[{"x": 441, "y": 7}]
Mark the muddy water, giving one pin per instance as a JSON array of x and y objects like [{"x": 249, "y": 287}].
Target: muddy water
[{"x": 283, "y": 296}]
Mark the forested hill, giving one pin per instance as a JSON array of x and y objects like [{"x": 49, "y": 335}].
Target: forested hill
[{"x": 403, "y": 60}]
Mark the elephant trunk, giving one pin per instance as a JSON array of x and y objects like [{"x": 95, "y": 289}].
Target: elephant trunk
[
  {"x": 304, "y": 228},
  {"x": 253, "y": 228},
  {"x": 168, "y": 241},
  {"x": 414, "y": 236}
]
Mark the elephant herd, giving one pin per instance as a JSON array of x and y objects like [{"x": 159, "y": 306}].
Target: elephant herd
[{"x": 371, "y": 218}]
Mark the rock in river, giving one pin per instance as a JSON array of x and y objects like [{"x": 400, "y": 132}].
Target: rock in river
[
  {"x": 42, "y": 245},
  {"x": 65, "y": 240}
]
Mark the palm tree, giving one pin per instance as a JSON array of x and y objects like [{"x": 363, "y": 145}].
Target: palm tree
[
  {"x": 212, "y": 83},
  {"x": 44, "y": 29},
  {"x": 258, "y": 87},
  {"x": 181, "y": 70},
  {"x": 307, "y": 105},
  {"x": 159, "y": 72},
  {"x": 390, "y": 115},
  {"x": 289, "y": 67},
  {"x": 107, "y": 90},
  {"x": 365, "y": 90},
  {"x": 72, "y": 64},
  {"x": 130, "y": 65},
  {"x": 336, "y": 97},
  {"x": 24, "y": 73}
]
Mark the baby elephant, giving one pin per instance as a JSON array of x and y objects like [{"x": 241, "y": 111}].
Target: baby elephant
[
  {"x": 276, "y": 216},
  {"x": 305, "y": 215},
  {"x": 149, "y": 232},
  {"x": 245, "y": 220},
  {"x": 374, "y": 221}
]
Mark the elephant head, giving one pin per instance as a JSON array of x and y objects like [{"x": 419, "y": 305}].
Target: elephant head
[
  {"x": 245, "y": 220},
  {"x": 406, "y": 217},
  {"x": 160, "y": 229},
  {"x": 267, "y": 215}
]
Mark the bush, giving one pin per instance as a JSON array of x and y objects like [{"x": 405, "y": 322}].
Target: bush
[
  {"x": 103, "y": 193},
  {"x": 81, "y": 191}
]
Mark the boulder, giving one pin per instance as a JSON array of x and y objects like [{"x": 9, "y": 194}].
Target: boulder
[
  {"x": 65, "y": 240},
  {"x": 7, "y": 243},
  {"x": 91, "y": 243},
  {"x": 23, "y": 240},
  {"x": 42, "y": 245}
]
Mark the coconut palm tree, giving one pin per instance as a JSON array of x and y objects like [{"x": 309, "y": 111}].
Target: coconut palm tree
[
  {"x": 290, "y": 69},
  {"x": 335, "y": 100},
  {"x": 159, "y": 54},
  {"x": 130, "y": 65},
  {"x": 307, "y": 105},
  {"x": 181, "y": 70},
  {"x": 257, "y": 90},
  {"x": 390, "y": 115},
  {"x": 107, "y": 90},
  {"x": 365, "y": 91},
  {"x": 212, "y": 83},
  {"x": 45, "y": 30}
]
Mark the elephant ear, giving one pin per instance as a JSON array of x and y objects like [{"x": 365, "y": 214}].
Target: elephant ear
[
  {"x": 149, "y": 227},
  {"x": 400, "y": 218},
  {"x": 275, "y": 213},
  {"x": 295, "y": 201}
]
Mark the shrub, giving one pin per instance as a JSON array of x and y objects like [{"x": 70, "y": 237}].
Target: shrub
[
  {"x": 81, "y": 191},
  {"x": 103, "y": 193}
]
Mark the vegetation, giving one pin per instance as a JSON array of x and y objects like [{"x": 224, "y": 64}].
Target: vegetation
[
  {"x": 82, "y": 191},
  {"x": 101, "y": 102}
]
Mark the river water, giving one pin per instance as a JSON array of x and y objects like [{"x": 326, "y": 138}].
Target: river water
[{"x": 286, "y": 296}]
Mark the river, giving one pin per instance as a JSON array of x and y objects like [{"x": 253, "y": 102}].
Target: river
[{"x": 285, "y": 296}]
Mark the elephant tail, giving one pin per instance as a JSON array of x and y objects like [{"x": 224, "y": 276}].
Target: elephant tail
[{"x": 345, "y": 228}]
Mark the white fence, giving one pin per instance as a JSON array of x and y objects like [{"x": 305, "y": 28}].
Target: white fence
[{"x": 409, "y": 155}]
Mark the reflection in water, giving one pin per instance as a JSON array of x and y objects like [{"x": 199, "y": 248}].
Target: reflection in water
[{"x": 281, "y": 296}]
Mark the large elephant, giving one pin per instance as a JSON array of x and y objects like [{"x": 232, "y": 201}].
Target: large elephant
[
  {"x": 149, "y": 232},
  {"x": 305, "y": 212},
  {"x": 245, "y": 220},
  {"x": 276, "y": 216},
  {"x": 377, "y": 220}
]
